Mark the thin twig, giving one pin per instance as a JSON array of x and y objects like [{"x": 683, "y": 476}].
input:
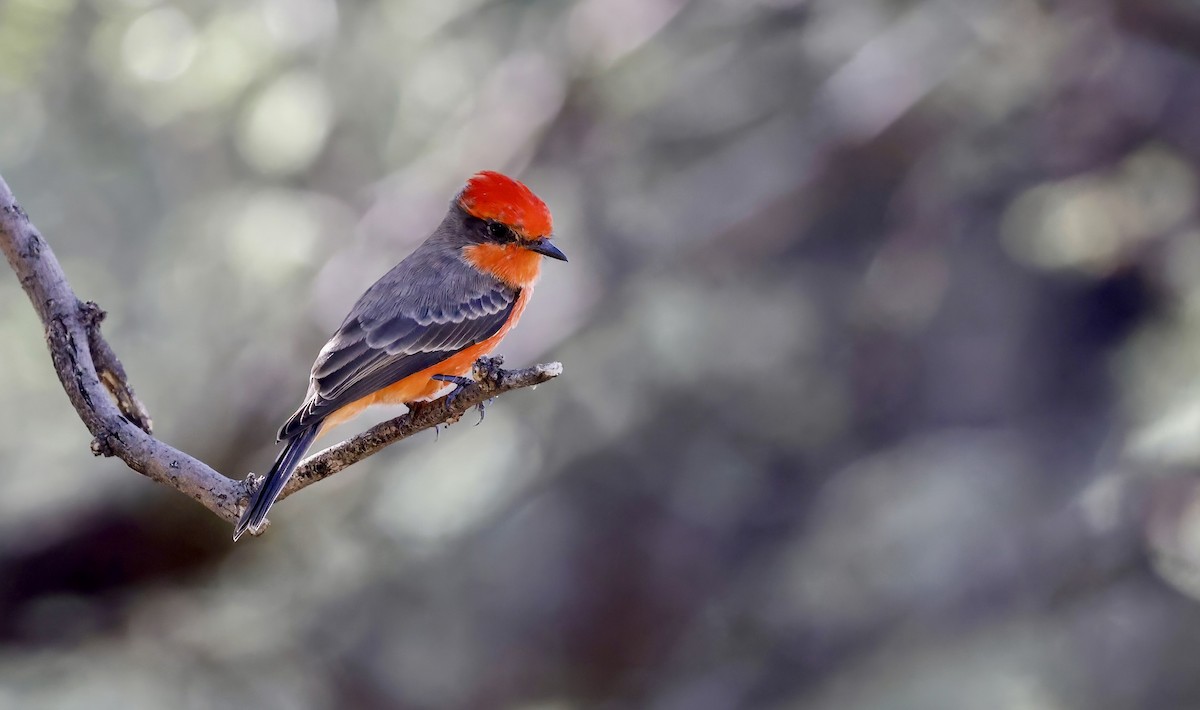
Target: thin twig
[
  {"x": 112, "y": 372},
  {"x": 94, "y": 380}
]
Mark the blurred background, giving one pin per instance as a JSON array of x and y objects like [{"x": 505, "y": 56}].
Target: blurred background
[{"x": 881, "y": 333}]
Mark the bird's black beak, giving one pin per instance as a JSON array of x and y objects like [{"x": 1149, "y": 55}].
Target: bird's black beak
[{"x": 545, "y": 248}]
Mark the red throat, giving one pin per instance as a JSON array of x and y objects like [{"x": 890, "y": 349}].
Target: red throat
[
  {"x": 490, "y": 195},
  {"x": 508, "y": 262}
]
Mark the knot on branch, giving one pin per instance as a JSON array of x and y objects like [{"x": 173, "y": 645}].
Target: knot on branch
[
  {"x": 246, "y": 487},
  {"x": 487, "y": 371},
  {"x": 93, "y": 315},
  {"x": 14, "y": 208},
  {"x": 103, "y": 445}
]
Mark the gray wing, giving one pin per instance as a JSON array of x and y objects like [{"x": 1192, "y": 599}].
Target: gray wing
[{"x": 426, "y": 309}]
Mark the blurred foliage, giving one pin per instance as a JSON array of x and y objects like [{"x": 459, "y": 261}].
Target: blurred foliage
[{"x": 880, "y": 332}]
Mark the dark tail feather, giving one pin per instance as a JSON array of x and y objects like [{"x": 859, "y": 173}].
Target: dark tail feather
[{"x": 264, "y": 497}]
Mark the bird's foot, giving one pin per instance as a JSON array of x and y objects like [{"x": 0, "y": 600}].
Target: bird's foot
[
  {"x": 485, "y": 370},
  {"x": 460, "y": 384}
]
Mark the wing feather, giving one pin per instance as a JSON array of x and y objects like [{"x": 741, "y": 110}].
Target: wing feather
[{"x": 420, "y": 313}]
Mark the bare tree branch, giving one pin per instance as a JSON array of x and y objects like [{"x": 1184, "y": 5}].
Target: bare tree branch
[
  {"x": 96, "y": 384},
  {"x": 491, "y": 381}
]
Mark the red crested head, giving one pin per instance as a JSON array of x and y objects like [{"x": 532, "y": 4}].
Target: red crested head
[{"x": 492, "y": 196}]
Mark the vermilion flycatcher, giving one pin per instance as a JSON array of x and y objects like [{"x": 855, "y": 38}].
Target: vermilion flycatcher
[{"x": 439, "y": 310}]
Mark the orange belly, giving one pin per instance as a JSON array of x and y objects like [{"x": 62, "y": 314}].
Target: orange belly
[{"x": 419, "y": 386}]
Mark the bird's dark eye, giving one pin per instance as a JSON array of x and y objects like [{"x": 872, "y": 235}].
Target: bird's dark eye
[{"x": 500, "y": 233}]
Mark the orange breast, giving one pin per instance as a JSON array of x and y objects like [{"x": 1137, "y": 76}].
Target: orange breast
[{"x": 419, "y": 386}]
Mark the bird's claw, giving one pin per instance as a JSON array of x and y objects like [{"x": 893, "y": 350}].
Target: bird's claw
[
  {"x": 481, "y": 409},
  {"x": 460, "y": 384}
]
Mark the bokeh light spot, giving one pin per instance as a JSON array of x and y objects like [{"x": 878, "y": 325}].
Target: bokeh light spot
[
  {"x": 272, "y": 235},
  {"x": 159, "y": 46},
  {"x": 284, "y": 128},
  {"x": 300, "y": 22}
]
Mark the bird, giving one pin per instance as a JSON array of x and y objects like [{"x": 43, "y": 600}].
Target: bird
[{"x": 425, "y": 322}]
